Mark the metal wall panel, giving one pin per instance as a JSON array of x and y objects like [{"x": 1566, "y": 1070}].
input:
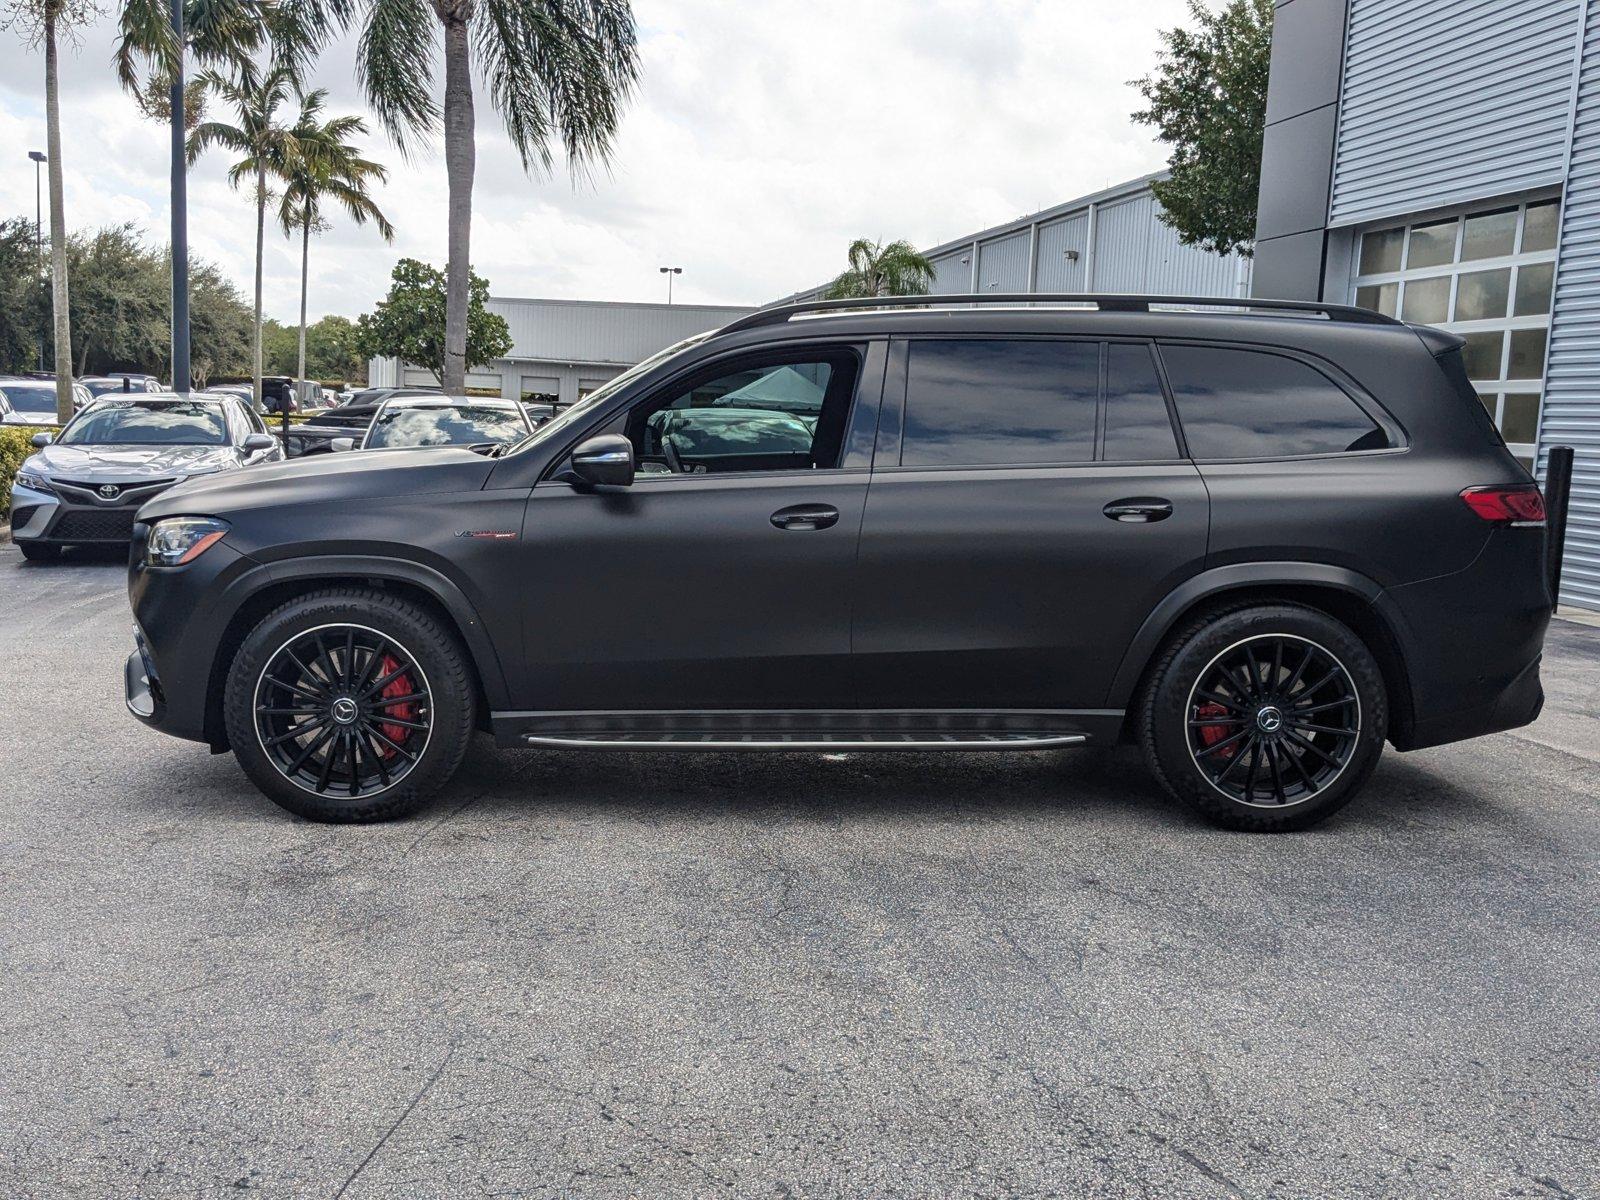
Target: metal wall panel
[
  {"x": 951, "y": 275},
  {"x": 1449, "y": 103},
  {"x": 1122, "y": 236},
  {"x": 1571, "y": 415},
  {"x": 597, "y": 332},
  {"x": 1003, "y": 263},
  {"x": 1058, "y": 240}
]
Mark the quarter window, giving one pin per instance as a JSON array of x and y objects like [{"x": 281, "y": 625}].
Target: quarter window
[
  {"x": 1236, "y": 403},
  {"x": 999, "y": 402}
]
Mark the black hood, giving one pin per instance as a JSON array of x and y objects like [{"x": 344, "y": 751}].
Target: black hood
[{"x": 326, "y": 479}]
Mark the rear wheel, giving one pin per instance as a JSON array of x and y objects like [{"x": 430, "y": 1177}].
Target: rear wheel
[
  {"x": 1265, "y": 718},
  {"x": 39, "y": 551},
  {"x": 349, "y": 705}
]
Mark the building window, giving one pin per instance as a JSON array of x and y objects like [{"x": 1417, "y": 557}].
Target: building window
[{"x": 1487, "y": 274}]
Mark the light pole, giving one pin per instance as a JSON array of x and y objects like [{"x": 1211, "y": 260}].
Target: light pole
[
  {"x": 38, "y": 235},
  {"x": 180, "y": 218},
  {"x": 669, "y": 272}
]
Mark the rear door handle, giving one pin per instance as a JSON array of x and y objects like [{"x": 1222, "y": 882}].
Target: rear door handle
[
  {"x": 1139, "y": 509},
  {"x": 806, "y": 516}
]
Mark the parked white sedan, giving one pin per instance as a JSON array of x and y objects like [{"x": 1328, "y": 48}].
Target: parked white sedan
[{"x": 33, "y": 401}]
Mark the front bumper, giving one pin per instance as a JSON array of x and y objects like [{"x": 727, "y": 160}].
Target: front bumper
[
  {"x": 73, "y": 516},
  {"x": 141, "y": 685}
]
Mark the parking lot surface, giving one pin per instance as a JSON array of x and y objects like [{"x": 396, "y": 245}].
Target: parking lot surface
[{"x": 591, "y": 974}]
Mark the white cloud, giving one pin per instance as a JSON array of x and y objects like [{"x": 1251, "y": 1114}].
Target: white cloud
[{"x": 763, "y": 139}]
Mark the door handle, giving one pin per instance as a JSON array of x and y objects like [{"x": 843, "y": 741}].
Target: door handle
[
  {"x": 806, "y": 516},
  {"x": 1139, "y": 509}
]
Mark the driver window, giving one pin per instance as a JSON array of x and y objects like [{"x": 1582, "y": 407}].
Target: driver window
[{"x": 761, "y": 415}]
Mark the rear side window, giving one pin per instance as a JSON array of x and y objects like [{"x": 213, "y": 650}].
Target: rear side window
[
  {"x": 1236, "y": 403},
  {"x": 1137, "y": 423},
  {"x": 996, "y": 402}
]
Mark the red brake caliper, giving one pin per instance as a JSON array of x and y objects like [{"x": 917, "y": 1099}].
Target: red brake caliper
[
  {"x": 1212, "y": 734},
  {"x": 400, "y": 685}
]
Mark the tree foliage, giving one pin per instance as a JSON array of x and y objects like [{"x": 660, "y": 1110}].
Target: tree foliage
[
  {"x": 409, "y": 323},
  {"x": 332, "y": 353},
  {"x": 1208, "y": 100},
  {"x": 878, "y": 270},
  {"x": 23, "y": 298}
]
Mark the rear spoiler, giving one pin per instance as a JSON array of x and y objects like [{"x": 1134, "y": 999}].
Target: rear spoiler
[{"x": 1437, "y": 340}]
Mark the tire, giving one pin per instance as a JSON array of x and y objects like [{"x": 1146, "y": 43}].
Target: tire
[
  {"x": 389, "y": 753},
  {"x": 1283, "y": 756},
  {"x": 39, "y": 551}
]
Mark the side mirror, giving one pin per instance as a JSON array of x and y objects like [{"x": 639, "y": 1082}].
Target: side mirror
[
  {"x": 604, "y": 461},
  {"x": 40, "y": 440},
  {"x": 342, "y": 443},
  {"x": 256, "y": 442}
]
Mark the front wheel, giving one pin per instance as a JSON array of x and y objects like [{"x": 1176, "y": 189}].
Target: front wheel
[
  {"x": 1265, "y": 718},
  {"x": 349, "y": 705}
]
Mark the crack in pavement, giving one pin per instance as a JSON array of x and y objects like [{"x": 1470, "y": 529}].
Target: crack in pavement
[{"x": 401, "y": 1120}]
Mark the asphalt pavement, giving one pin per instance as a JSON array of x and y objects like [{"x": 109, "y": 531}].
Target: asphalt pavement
[{"x": 606, "y": 975}]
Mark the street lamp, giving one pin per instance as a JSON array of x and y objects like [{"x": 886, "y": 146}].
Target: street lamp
[
  {"x": 38, "y": 241},
  {"x": 669, "y": 272}
]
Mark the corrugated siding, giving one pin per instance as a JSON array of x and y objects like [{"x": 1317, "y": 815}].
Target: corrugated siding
[
  {"x": 1122, "y": 235},
  {"x": 1176, "y": 269},
  {"x": 952, "y": 276},
  {"x": 1571, "y": 414},
  {"x": 1003, "y": 264},
  {"x": 1448, "y": 103},
  {"x": 1057, "y": 272},
  {"x": 564, "y": 331}
]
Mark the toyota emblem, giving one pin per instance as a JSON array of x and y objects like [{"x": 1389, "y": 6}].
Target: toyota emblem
[{"x": 109, "y": 491}]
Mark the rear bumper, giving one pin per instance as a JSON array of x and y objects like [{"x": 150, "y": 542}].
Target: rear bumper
[{"x": 1475, "y": 639}]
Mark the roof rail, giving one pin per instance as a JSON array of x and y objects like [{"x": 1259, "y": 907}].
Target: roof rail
[{"x": 780, "y": 313}]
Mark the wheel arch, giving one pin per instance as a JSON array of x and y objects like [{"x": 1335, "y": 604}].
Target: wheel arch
[
  {"x": 278, "y": 583},
  {"x": 1345, "y": 595}
]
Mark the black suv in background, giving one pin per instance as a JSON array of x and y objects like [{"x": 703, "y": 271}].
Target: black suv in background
[{"x": 1258, "y": 543}]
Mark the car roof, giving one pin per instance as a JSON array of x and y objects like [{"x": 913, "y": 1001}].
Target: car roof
[{"x": 449, "y": 402}]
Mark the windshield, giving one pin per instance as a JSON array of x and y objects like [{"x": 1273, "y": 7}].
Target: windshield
[
  {"x": 30, "y": 397},
  {"x": 148, "y": 423},
  {"x": 457, "y": 425},
  {"x": 99, "y": 387},
  {"x": 604, "y": 392}
]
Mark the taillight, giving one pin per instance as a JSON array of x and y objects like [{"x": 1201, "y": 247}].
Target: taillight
[{"x": 1519, "y": 505}]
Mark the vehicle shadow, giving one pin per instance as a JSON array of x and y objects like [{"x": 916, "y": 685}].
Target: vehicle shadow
[{"x": 78, "y": 557}]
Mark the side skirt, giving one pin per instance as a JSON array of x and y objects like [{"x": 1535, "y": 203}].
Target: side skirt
[{"x": 809, "y": 729}]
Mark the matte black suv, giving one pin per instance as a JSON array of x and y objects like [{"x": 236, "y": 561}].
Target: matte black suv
[{"x": 1257, "y": 543}]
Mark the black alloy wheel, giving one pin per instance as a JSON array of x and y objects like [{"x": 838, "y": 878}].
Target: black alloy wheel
[
  {"x": 1273, "y": 720},
  {"x": 343, "y": 711}
]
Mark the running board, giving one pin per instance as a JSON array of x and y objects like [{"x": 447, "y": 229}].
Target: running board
[{"x": 897, "y": 740}]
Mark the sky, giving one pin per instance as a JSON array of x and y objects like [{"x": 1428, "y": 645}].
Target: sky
[{"x": 763, "y": 138}]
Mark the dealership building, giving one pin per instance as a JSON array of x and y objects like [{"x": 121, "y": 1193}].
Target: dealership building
[{"x": 1440, "y": 162}]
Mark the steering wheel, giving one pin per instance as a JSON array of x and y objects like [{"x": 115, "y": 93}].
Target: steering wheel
[{"x": 669, "y": 451}]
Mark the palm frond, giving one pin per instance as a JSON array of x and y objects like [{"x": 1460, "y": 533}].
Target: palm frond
[{"x": 395, "y": 60}]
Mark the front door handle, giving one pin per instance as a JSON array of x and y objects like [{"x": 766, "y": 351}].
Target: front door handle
[
  {"x": 806, "y": 516},
  {"x": 1139, "y": 509}
]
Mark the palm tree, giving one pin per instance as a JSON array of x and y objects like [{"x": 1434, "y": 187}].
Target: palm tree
[
  {"x": 878, "y": 270},
  {"x": 267, "y": 147},
  {"x": 44, "y": 21},
  {"x": 559, "y": 71},
  {"x": 326, "y": 167}
]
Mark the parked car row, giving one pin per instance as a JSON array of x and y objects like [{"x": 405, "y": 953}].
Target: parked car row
[{"x": 31, "y": 401}]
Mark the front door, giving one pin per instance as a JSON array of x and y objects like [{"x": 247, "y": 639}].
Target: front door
[
  {"x": 1029, "y": 508},
  {"x": 722, "y": 578}
]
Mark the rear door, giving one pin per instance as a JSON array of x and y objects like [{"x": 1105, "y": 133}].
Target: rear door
[{"x": 1029, "y": 506}]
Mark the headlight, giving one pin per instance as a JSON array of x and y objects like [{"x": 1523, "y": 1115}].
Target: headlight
[
  {"x": 178, "y": 540},
  {"x": 30, "y": 479}
]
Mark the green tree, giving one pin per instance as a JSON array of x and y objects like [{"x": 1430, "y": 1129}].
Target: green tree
[
  {"x": 325, "y": 167},
  {"x": 219, "y": 320},
  {"x": 878, "y": 270},
  {"x": 333, "y": 353},
  {"x": 265, "y": 146},
  {"x": 120, "y": 302},
  {"x": 45, "y": 22},
  {"x": 1208, "y": 100},
  {"x": 411, "y": 323},
  {"x": 20, "y": 296},
  {"x": 558, "y": 71}
]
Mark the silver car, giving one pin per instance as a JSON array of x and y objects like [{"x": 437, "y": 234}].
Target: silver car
[
  {"x": 33, "y": 401},
  {"x": 84, "y": 487}
]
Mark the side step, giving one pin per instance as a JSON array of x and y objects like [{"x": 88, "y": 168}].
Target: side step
[{"x": 854, "y": 740}]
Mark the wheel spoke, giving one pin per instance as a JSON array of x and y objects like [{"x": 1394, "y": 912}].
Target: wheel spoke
[
  {"x": 375, "y": 688},
  {"x": 371, "y": 668},
  {"x": 1253, "y": 670},
  {"x": 1219, "y": 698},
  {"x": 1255, "y": 765},
  {"x": 1316, "y": 708},
  {"x": 402, "y": 724},
  {"x": 264, "y": 711},
  {"x": 1315, "y": 749},
  {"x": 327, "y": 762},
  {"x": 1332, "y": 674},
  {"x": 1307, "y": 726},
  {"x": 295, "y": 688},
  {"x": 348, "y": 673},
  {"x": 1248, "y": 693},
  {"x": 1300, "y": 671},
  {"x": 1202, "y": 722},
  {"x": 308, "y": 750},
  {"x": 395, "y": 746},
  {"x": 1222, "y": 745},
  {"x": 1277, "y": 775},
  {"x": 377, "y": 759},
  {"x": 297, "y": 731},
  {"x": 1277, "y": 663},
  {"x": 1238, "y": 758},
  {"x": 391, "y": 701}
]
